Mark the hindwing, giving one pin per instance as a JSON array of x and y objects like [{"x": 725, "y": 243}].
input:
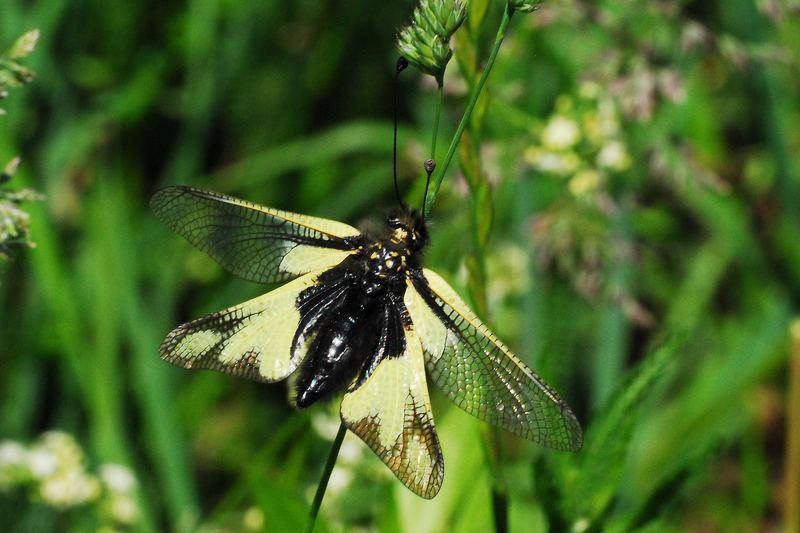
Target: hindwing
[
  {"x": 255, "y": 340},
  {"x": 391, "y": 412},
  {"x": 254, "y": 242},
  {"x": 479, "y": 373}
]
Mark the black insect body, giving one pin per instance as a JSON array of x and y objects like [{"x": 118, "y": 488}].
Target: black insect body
[
  {"x": 358, "y": 316},
  {"x": 353, "y": 317}
]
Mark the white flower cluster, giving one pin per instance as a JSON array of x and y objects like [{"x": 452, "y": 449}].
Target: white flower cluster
[
  {"x": 120, "y": 489},
  {"x": 53, "y": 471},
  {"x": 581, "y": 141}
]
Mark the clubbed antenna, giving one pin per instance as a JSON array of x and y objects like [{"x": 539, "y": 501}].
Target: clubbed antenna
[{"x": 430, "y": 166}]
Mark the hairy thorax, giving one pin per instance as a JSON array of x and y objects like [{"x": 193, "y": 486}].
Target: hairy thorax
[{"x": 384, "y": 265}]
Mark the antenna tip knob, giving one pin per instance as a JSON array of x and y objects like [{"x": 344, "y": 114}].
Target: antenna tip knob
[
  {"x": 430, "y": 166},
  {"x": 402, "y": 64}
]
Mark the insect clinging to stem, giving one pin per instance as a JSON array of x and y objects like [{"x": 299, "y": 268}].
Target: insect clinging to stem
[{"x": 357, "y": 315}]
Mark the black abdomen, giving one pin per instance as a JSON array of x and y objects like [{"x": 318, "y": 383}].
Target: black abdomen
[
  {"x": 341, "y": 340},
  {"x": 345, "y": 331}
]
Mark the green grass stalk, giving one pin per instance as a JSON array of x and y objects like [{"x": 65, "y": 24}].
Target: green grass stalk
[
  {"x": 439, "y": 105},
  {"x": 473, "y": 99},
  {"x": 326, "y": 476}
]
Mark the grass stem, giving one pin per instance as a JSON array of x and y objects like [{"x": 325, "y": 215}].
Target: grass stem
[
  {"x": 473, "y": 99},
  {"x": 439, "y": 105},
  {"x": 499, "y": 489},
  {"x": 326, "y": 475}
]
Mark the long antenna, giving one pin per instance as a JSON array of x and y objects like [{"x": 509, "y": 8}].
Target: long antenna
[
  {"x": 402, "y": 63},
  {"x": 430, "y": 166}
]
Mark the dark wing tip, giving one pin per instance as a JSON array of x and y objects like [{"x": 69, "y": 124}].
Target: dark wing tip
[
  {"x": 163, "y": 197},
  {"x": 573, "y": 441},
  {"x": 431, "y": 491},
  {"x": 167, "y": 348},
  {"x": 427, "y": 488},
  {"x": 430, "y": 487},
  {"x": 166, "y": 195}
]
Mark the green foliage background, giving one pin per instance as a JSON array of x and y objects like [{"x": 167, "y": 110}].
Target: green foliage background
[{"x": 289, "y": 104}]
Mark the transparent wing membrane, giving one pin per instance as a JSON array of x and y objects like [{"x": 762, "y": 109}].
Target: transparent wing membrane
[
  {"x": 256, "y": 243},
  {"x": 480, "y": 374},
  {"x": 251, "y": 340}
]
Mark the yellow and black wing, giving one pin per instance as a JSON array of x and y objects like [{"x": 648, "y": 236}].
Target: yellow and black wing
[
  {"x": 480, "y": 374},
  {"x": 254, "y": 242},
  {"x": 391, "y": 412},
  {"x": 255, "y": 340}
]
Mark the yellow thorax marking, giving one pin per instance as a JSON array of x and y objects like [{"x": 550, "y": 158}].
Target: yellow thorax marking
[{"x": 400, "y": 235}]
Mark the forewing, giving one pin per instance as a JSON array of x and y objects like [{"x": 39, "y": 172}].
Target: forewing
[
  {"x": 480, "y": 374},
  {"x": 391, "y": 412},
  {"x": 254, "y": 242},
  {"x": 253, "y": 340}
]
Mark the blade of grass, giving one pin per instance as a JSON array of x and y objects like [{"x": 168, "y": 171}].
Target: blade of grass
[
  {"x": 614, "y": 329},
  {"x": 326, "y": 475},
  {"x": 142, "y": 331},
  {"x": 592, "y": 483},
  {"x": 709, "y": 408}
]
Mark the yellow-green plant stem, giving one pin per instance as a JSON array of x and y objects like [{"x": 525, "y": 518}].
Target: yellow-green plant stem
[
  {"x": 473, "y": 99},
  {"x": 476, "y": 264},
  {"x": 439, "y": 105},
  {"x": 326, "y": 475}
]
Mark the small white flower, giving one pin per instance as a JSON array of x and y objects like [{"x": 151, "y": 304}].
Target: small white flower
[
  {"x": 12, "y": 453},
  {"x": 69, "y": 489},
  {"x": 42, "y": 463},
  {"x": 87, "y": 487},
  {"x": 56, "y": 491},
  {"x": 64, "y": 446},
  {"x": 554, "y": 162},
  {"x": 614, "y": 156},
  {"x": 561, "y": 133},
  {"x": 57, "y": 439},
  {"x": 14, "y": 470},
  {"x": 118, "y": 478}
]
